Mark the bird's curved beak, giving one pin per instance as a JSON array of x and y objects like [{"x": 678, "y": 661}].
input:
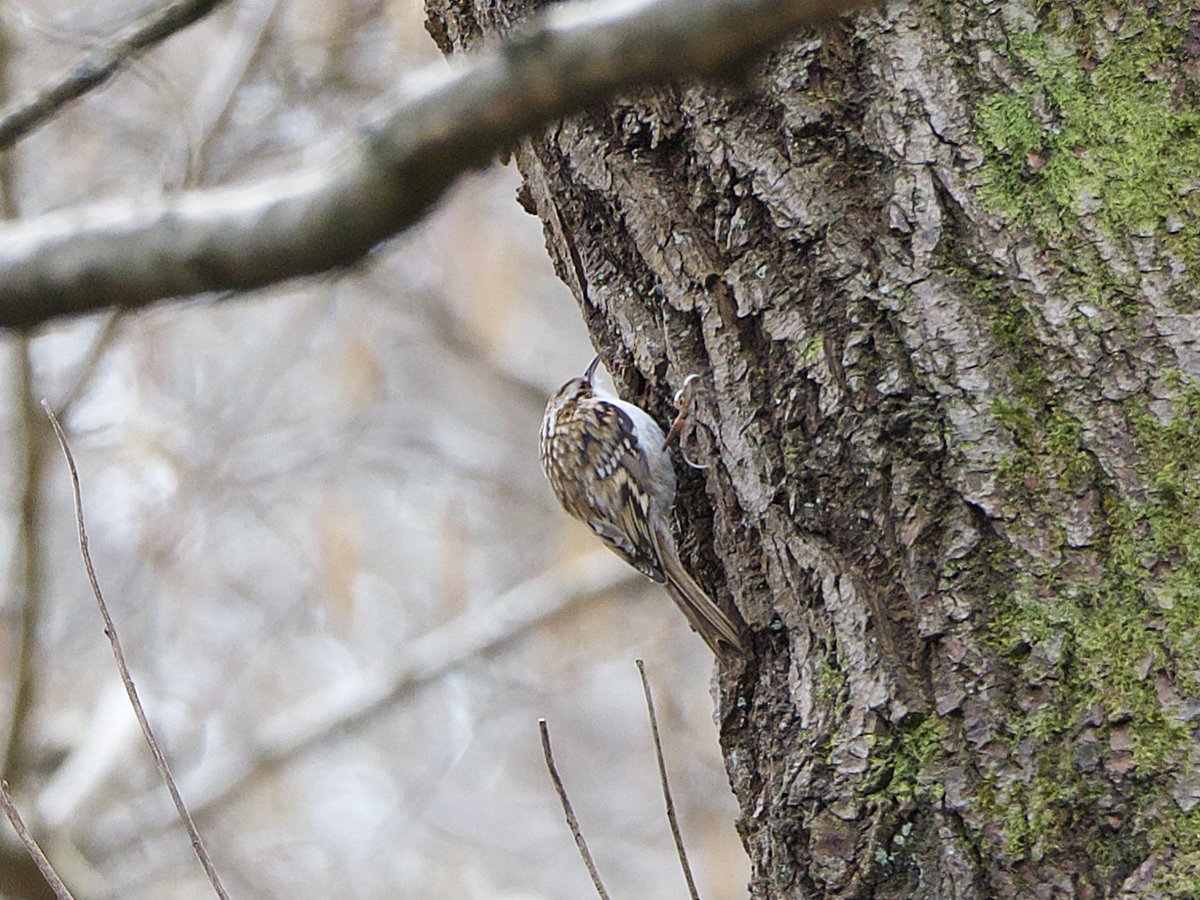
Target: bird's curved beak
[{"x": 591, "y": 369}]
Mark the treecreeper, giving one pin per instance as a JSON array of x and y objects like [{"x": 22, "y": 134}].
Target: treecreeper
[{"x": 609, "y": 464}]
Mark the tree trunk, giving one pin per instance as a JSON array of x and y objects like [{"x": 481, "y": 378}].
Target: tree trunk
[{"x": 937, "y": 267}]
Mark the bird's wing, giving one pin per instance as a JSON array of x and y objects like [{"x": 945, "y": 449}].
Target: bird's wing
[{"x": 618, "y": 487}]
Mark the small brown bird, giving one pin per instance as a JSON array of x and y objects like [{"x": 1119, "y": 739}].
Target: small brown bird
[{"x": 607, "y": 462}]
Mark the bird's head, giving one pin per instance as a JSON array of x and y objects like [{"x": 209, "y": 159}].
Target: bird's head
[{"x": 579, "y": 388}]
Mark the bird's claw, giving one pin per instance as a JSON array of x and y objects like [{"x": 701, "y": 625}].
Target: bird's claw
[{"x": 684, "y": 398}]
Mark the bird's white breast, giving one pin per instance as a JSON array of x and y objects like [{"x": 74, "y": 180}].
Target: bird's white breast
[{"x": 650, "y": 440}]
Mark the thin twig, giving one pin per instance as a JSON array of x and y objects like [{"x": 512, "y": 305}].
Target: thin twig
[
  {"x": 31, "y": 845},
  {"x": 572, "y": 822},
  {"x": 98, "y": 67},
  {"x": 110, "y": 631},
  {"x": 666, "y": 785}
]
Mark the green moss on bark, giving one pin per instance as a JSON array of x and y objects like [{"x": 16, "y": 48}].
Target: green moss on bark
[
  {"x": 1099, "y": 141},
  {"x": 1103, "y": 637},
  {"x": 1102, "y": 132},
  {"x": 907, "y": 765},
  {"x": 1109, "y": 640}
]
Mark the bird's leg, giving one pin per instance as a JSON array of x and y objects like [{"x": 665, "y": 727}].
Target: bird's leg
[{"x": 684, "y": 398}]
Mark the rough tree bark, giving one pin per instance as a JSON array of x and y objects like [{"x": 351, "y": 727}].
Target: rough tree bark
[{"x": 937, "y": 266}]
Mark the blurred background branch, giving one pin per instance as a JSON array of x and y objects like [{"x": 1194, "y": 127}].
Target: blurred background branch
[
  {"x": 353, "y": 702},
  {"x": 27, "y": 571},
  {"x": 21, "y": 874},
  {"x": 99, "y": 65}
]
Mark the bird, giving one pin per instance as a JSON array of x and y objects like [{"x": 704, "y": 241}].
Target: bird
[{"x": 608, "y": 464}]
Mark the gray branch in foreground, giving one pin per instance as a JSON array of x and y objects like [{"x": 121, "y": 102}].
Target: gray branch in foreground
[
  {"x": 99, "y": 66},
  {"x": 443, "y": 123}
]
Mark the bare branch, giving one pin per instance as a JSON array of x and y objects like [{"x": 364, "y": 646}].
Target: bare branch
[
  {"x": 110, "y": 631},
  {"x": 35, "y": 852},
  {"x": 445, "y": 122},
  {"x": 666, "y": 785},
  {"x": 572, "y": 822},
  {"x": 100, "y": 65}
]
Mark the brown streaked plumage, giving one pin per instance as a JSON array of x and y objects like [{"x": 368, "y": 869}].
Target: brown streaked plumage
[{"x": 607, "y": 463}]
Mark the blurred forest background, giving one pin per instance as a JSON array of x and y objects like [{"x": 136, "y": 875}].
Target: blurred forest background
[{"x": 300, "y": 503}]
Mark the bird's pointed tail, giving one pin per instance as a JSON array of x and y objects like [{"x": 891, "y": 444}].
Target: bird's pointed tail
[{"x": 720, "y": 632}]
